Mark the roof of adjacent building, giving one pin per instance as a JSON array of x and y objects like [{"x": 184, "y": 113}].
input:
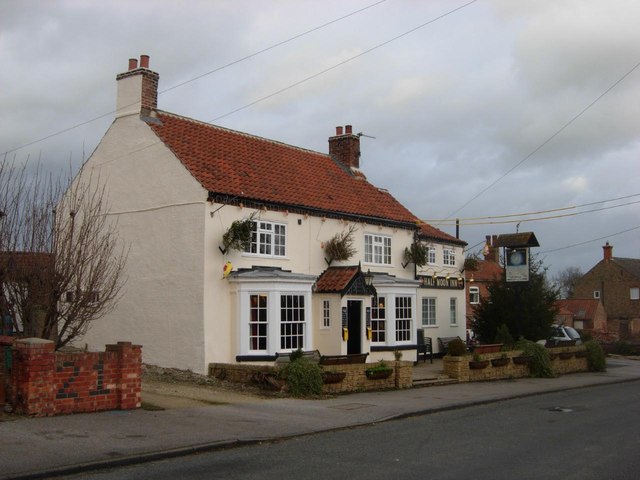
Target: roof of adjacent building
[
  {"x": 242, "y": 166},
  {"x": 429, "y": 232},
  {"x": 631, "y": 265},
  {"x": 580, "y": 308},
  {"x": 486, "y": 271}
]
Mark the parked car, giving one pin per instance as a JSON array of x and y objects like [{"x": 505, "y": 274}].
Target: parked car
[{"x": 561, "y": 334}]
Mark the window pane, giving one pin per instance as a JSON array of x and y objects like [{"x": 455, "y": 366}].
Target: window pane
[{"x": 258, "y": 322}]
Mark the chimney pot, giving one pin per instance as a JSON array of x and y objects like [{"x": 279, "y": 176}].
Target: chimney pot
[
  {"x": 133, "y": 63},
  {"x": 345, "y": 148},
  {"x": 144, "y": 61},
  {"x": 348, "y": 129},
  {"x": 338, "y": 131}
]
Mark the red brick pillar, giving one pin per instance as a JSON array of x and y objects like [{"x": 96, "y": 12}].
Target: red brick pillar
[
  {"x": 32, "y": 373},
  {"x": 129, "y": 376}
]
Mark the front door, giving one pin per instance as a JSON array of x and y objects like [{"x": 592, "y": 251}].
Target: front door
[{"x": 354, "y": 324}]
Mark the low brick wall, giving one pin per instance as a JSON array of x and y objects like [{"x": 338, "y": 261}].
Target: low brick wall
[
  {"x": 46, "y": 382},
  {"x": 458, "y": 367},
  {"x": 355, "y": 378}
]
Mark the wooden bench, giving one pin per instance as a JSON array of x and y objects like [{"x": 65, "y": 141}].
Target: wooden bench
[
  {"x": 311, "y": 355},
  {"x": 443, "y": 343},
  {"x": 343, "y": 359},
  {"x": 425, "y": 346}
]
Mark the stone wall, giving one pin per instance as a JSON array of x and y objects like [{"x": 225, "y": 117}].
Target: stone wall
[
  {"x": 354, "y": 379},
  {"x": 45, "y": 382},
  {"x": 563, "y": 360}
]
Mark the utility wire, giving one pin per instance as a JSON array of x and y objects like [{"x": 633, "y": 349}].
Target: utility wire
[
  {"x": 591, "y": 241},
  {"x": 551, "y": 217},
  {"x": 230, "y": 64},
  {"x": 452, "y": 221},
  {"x": 539, "y": 147}
]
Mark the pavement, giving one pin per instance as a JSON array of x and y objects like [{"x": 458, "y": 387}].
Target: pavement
[{"x": 44, "y": 447}]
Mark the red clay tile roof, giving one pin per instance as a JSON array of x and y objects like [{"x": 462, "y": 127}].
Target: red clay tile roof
[
  {"x": 335, "y": 279},
  {"x": 581, "y": 308},
  {"x": 430, "y": 232},
  {"x": 232, "y": 163},
  {"x": 486, "y": 272}
]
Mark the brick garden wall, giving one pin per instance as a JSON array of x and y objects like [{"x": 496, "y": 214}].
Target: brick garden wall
[{"x": 45, "y": 382}]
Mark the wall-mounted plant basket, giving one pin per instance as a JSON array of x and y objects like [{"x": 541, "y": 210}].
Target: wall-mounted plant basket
[
  {"x": 340, "y": 247},
  {"x": 581, "y": 354},
  {"x": 488, "y": 348},
  {"x": 333, "y": 377},
  {"x": 522, "y": 360},
  {"x": 478, "y": 364},
  {"x": 566, "y": 355},
  {"x": 378, "y": 374},
  {"x": 500, "y": 362}
]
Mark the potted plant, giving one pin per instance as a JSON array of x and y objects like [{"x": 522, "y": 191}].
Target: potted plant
[
  {"x": 478, "y": 362},
  {"x": 379, "y": 371},
  {"x": 500, "y": 362}
]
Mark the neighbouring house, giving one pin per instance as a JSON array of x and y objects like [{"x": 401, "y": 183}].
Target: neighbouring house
[
  {"x": 615, "y": 282},
  {"x": 481, "y": 275},
  {"x": 177, "y": 185},
  {"x": 586, "y": 314}
]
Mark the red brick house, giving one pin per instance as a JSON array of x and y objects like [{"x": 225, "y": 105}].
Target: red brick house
[
  {"x": 482, "y": 275},
  {"x": 587, "y": 314},
  {"x": 615, "y": 282}
]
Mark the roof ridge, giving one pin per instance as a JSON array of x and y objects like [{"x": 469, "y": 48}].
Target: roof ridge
[{"x": 242, "y": 134}]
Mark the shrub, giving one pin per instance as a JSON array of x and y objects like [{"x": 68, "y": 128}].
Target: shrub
[
  {"x": 503, "y": 336},
  {"x": 540, "y": 367},
  {"x": 456, "y": 348},
  {"x": 296, "y": 355},
  {"x": 595, "y": 357},
  {"x": 304, "y": 378},
  {"x": 622, "y": 348}
]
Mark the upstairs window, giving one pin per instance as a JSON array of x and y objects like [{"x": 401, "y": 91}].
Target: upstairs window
[
  {"x": 377, "y": 249},
  {"x": 431, "y": 255},
  {"x": 449, "y": 256},
  {"x": 596, "y": 294},
  {"x": 474, "y": 295},
  {"x": 268, "y": 238},
  {"x": 634, "y": 293}
]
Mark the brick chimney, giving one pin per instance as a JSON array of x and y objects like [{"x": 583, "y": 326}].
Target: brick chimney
[
  {"x": 345, "y": 147},
  {"x": 607, "y": 251},
  {"x": 491, "y": 253},
  {"x": 137, "y": 89}
]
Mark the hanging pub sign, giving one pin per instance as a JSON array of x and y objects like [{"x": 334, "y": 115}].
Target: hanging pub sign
[
  {"x": 516, "y": 254},
  {"x": 517, "y": 264}
]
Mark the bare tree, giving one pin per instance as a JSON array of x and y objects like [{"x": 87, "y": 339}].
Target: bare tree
[
  {"x": 565, "y": 280},
  {"x": 61, "y": 261}
]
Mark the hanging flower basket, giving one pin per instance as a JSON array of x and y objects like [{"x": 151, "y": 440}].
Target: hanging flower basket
[
  {"x": 478, "y": 364},
  {"x": 500, "y": 362},
  {"x": 566, "y": 355},
  {"x": 522, "y": 360},
  {"x": 333, "y": 377}
]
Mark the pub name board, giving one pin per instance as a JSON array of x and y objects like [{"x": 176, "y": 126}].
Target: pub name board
[{"x": 441, "y": 282}]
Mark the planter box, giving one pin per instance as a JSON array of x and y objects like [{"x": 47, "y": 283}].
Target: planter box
[
  {"x": 378, "y": 374},
  {"x": 489, "y": 348},
  {"x": 479, "y": 364},
  {"x": 522, "y": 360},
  {"x": 500, "y": 362}
]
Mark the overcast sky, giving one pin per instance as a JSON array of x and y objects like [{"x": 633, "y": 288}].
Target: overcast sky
[{"x": 454, "y": 106}]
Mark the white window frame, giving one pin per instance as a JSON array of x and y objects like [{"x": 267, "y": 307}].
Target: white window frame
[
  {"x": 404, "y": 318},
  {"x": 258, "y": 323},
  {"x": 448, "y": 256},
  {"x": 268, "y": 239},
  {"x": 429, "y": 311},
  {"x": 326, "y": 314},
  {"x": 453, "y": 311},
  {"x": 431, "y": 255},
  {"x": 293, "y": 313},
  {"x": 379, "y": 320},
  {"x": 474, "y": 295},
  {"x": 377, "y": 249},
  {"x": 634, "y": 293},
  {"x": 596, "y": 294}
]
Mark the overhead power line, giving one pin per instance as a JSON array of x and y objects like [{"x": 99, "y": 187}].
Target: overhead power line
[
  {"x": 549, "y": 139},
  {"x": 215, "y": 70},
  {"x": 591, "y": 241},
  {"x": 450, "y": 221}
]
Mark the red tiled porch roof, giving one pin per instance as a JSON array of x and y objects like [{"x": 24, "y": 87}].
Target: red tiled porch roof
[
  {"x": 232, "y": 163},
  {"x": 335, "y": 279}
]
